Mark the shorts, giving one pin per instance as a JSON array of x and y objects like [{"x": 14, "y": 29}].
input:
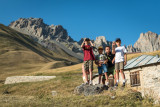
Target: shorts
[
  {"x": 88, "y": 65},
  {"x": 102, "y": 69},
  {"x": 111, "y": 70},
  {"x": 119, "y": 66}
]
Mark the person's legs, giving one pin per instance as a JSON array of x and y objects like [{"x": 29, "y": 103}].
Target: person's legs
[
  {"x": 90, "y": 70},
  {"x": 100, "y": 74},
  {"x": 107, "y": 81},
  {"x": 83, "y": 73},
  {"x": 114, "y": 77},
  {"x": 86, "y": 67},
  {"x": 105, "y": 72},
  {"x": 90, "y": 76},
  {"x": 103, "y": 80},
  {"x": 99, "y": 82},
  {"x": 117, "y": 73},
  {"x": 122, "y": 73},
  {"x": 111, "y": 70}
]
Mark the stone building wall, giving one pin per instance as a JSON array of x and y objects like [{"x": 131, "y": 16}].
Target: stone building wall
[{"x": 149, "y": 80}]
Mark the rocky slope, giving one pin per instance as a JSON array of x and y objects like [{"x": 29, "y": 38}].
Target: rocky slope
[
  {"x": 47, "y": 35},
  {"x": 147, "y": 42}
]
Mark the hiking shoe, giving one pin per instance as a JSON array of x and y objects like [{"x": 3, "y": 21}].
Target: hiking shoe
[
  {"x": 107, "y": 84},
  {"x": 123, "y": 85},
  {"x": 90, "y": 83},
  {"x": 86, "y": 83},
  {"x": 116, "y": 85}
]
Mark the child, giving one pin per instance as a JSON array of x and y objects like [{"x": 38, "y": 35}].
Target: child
[
  {"x": 101, "y": 61},
  {"x": 120, "y": 61},
  {"x": 110, "y": 56},
  {"x": 88, "y": 58}
]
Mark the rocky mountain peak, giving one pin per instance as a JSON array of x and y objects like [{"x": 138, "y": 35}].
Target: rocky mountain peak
[
  {"x": 45, "y": 34},
  {"x": 25, "y": 22},
  {"x": 101, "y": 41},
  {"x": 147, "y": 42},
  {"x": 38, "y": 29}
]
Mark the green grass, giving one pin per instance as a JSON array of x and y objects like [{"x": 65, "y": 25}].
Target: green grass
[{"x": 39, "y": 94}]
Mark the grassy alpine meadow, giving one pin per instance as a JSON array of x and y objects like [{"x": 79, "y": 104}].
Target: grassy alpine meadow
[
  {"x": 67, "y": 78},
  {"x": 39, "y": 93}
]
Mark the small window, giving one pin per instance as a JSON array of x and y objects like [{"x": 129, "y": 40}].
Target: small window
[{"x": 135, "y": 78}]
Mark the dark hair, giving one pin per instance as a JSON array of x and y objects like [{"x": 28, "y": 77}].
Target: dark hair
[
  {"x": 118, "y": 40},
  {"x": 108, "y": 46},
  {"x": 87, "y": 39}
]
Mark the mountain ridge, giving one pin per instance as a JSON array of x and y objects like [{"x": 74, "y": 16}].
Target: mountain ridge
[{"x": 42, "y": 32}]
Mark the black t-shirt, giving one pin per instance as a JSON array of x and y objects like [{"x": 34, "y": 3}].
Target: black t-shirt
[{"x": 110, "y": 58}]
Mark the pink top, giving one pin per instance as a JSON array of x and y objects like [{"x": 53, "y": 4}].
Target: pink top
[{"x": 88, "y": 53}]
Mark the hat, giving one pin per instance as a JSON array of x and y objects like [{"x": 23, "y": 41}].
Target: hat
[{"x": 100, "y": 47}]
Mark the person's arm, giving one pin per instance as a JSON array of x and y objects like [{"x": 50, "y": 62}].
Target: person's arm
[
  {"x": 125, "y": 59},
  {"x": 113, "y": 47},
  {"x": 105, "y": 62},
  {"x": 96, "y": 61},
  {"x": 113, "y": 60},
  {"x": 125, "y": 55},
  {"x": 83, "y": 43},
  {"x": 91, "y": 43}
]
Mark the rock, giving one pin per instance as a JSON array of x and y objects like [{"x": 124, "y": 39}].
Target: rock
[
  {"x": 19, "y": 79},
  {"x": 89, "y": 89},
  {"x": 156, "y": 102},
  {"x": 54, "y": 93},
  {"x": 43, "y": 33},
  {"x": 101, "y": 41},
  {"x": 113, "y": 97},
  {"x": 147, "y": 42}
]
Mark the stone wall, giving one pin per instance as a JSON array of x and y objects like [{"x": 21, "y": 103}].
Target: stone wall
[{"x": 149, "y": 80}]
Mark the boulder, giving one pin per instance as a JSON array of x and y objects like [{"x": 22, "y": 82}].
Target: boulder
[{"x": 90, "y": 89}]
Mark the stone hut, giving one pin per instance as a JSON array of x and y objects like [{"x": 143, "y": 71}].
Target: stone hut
[{"x": 143, "y": 74}]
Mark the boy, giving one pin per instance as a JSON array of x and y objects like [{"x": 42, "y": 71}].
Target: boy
[
  {"x": 88, "y": 58},
  {"x": 110, "y": 56},
  {"x": 101, "y": 61},
  {"x": 120, "y": 61}
]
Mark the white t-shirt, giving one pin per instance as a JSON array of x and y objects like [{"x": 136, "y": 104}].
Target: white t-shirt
[{"x": 119, "y": 56}]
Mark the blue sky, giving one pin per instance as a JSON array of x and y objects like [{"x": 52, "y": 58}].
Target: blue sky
[{"x": 90, "y": 18}]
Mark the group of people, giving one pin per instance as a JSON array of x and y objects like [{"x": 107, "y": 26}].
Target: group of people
[{"x": 108, "y": 62}]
